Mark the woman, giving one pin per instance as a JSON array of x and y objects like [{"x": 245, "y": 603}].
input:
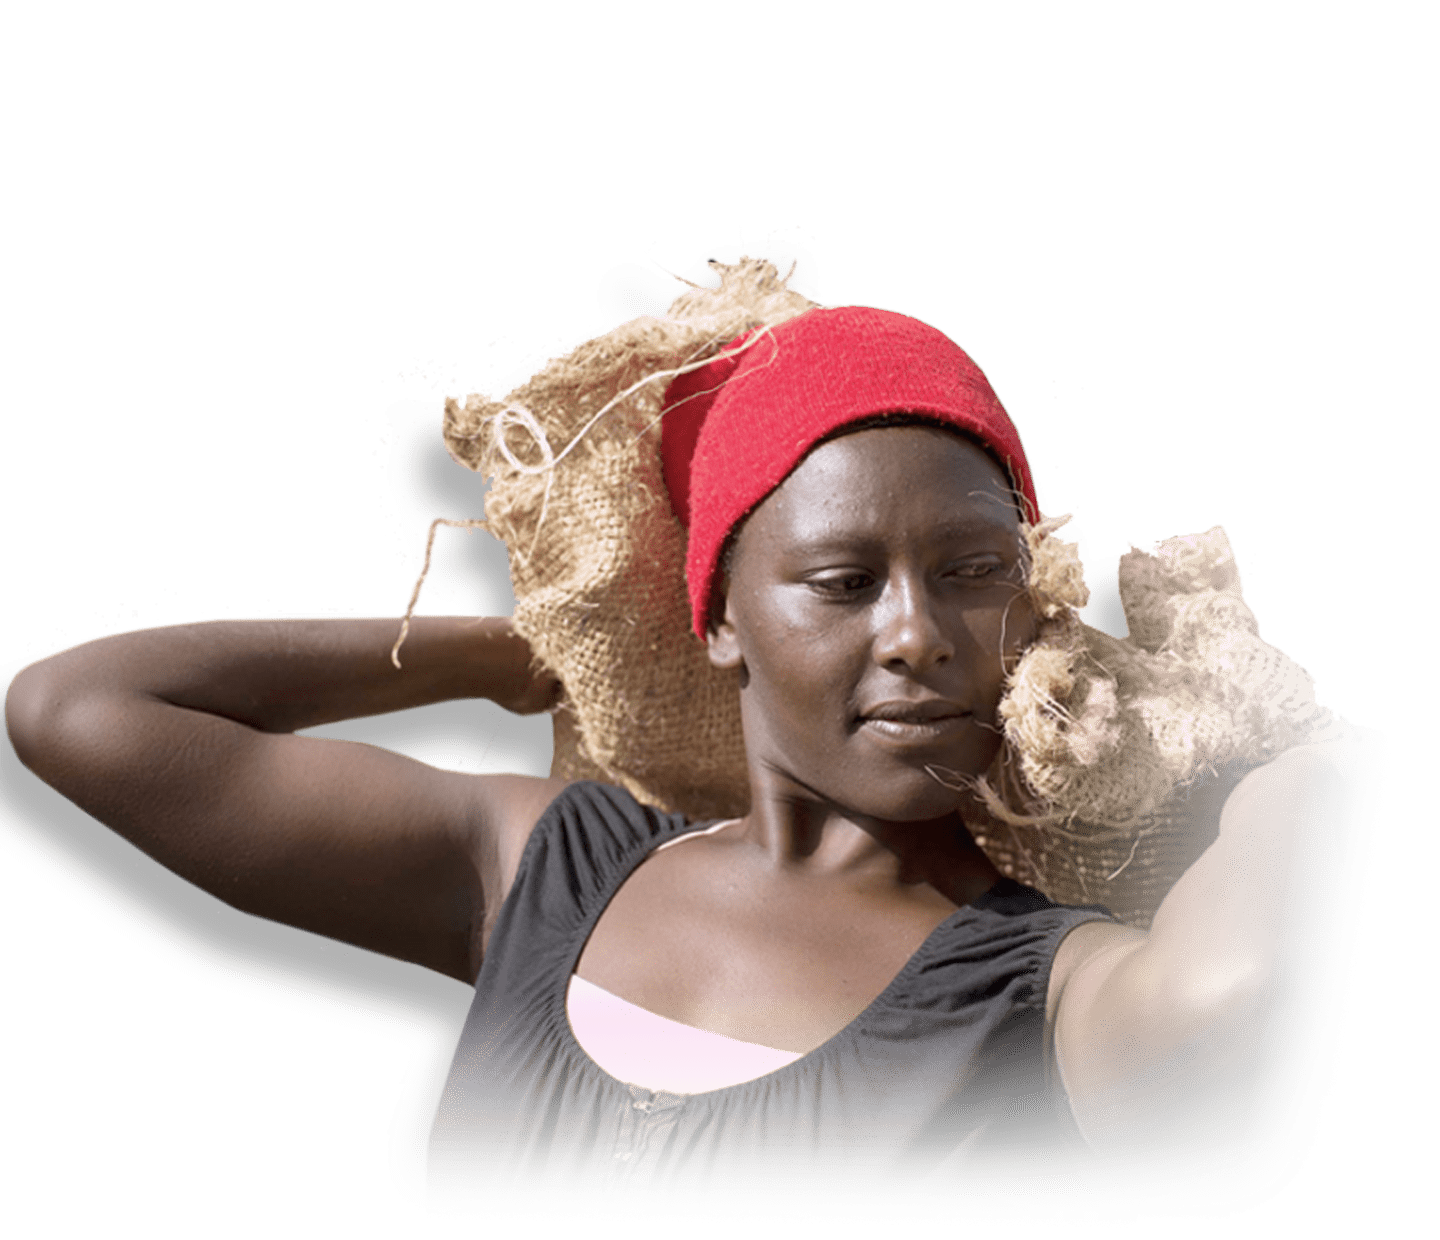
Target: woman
[{"x": 840, "y": 975}]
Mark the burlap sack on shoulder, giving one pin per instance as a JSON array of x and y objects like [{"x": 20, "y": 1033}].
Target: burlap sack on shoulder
[
  {"x": 1117, "y": 752},
  {"x": 597, "y": 555},
  {"x": 1120, "y": 752}
]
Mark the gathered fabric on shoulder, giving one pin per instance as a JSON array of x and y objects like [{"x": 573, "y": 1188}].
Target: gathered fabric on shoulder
[{"x": 949, "y": 1062}]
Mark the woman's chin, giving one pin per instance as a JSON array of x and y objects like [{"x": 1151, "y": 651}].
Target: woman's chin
[
  {"x": 872, "y": 783},
  {"x": 906, "y": 796}
]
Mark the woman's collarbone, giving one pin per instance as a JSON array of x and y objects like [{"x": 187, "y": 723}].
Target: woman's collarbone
[{"x": 780, "y": 960}]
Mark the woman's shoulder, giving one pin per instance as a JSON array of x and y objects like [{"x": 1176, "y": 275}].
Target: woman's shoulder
[
  {"x": 610, "y": 806},
  {"x": 1009, "y": 898},
  {"x": 1013, "y": 928},
  {"x": 594, "y": 824}
]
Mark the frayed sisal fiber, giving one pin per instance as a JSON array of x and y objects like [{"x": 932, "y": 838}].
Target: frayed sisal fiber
[
  {"x": 1125, "y": 748},
  {"x": 1116, "y": 751},
  {"x": 1106, "y": 728}
]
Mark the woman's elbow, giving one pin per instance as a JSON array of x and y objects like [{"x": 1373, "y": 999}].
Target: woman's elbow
[
  {"x": 53, "y": 721},
  {"x": 33, "y": 708}
]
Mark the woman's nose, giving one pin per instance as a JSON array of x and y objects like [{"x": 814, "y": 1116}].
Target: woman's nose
[{"x": 909, "y": 634}]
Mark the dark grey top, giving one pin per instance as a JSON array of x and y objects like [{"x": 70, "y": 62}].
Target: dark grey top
[{"x": 948, "y": 1062}]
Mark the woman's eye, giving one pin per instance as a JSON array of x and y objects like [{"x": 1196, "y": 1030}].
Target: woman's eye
[
  {"x": 842, "y": 584},
  {"x": 976, "y": 570}
]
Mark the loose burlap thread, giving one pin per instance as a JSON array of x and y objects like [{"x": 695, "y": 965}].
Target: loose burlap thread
[{"x": 1117, "y": 754}]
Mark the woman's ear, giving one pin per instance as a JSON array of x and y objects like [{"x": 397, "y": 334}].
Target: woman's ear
[{"x": 721, "y": 639}]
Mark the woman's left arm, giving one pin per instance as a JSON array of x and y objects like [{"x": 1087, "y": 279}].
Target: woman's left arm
[{"x": 1157, "y": 1035}]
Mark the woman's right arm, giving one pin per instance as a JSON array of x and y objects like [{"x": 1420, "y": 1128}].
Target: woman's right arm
[{"x": 181, "y": 739}]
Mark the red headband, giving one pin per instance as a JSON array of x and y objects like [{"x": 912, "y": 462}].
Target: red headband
[{"x": 733, "y": 430}]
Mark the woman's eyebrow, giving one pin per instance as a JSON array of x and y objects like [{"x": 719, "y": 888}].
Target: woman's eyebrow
[{"x": 973, "y": 524}]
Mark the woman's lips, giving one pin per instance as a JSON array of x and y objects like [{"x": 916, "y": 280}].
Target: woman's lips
[{"x": 914, "y": 722}]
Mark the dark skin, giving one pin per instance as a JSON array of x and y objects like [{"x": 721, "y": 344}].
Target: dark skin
[
  {"x": 874, "y": 605},
  {"x": 847, "y": 601}
]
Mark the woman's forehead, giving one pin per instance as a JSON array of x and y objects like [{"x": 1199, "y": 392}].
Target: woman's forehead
[{"x": 927, "y": 473}]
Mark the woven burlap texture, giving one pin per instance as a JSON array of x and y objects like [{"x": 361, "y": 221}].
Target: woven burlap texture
[
  {"x": 597, "y": 555},
  {"x": 1106, "y": 787}
]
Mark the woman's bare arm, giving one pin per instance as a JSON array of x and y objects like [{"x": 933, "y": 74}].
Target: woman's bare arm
[
  {"x": 1159, "y": 1034},
  {"x": 181, "y": 739}
]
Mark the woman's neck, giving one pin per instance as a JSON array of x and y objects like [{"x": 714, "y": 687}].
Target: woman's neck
[{"x": 798, "y": 829}]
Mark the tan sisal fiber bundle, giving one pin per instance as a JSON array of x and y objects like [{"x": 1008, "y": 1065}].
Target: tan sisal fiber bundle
[
  {"x": 1117, "y": 755},
  {"x": 1126, "y": 748},
  {"x": 1106, "y": 729}
]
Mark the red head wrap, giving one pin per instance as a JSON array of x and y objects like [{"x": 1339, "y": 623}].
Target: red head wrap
[{"x": 734, "y": 429}]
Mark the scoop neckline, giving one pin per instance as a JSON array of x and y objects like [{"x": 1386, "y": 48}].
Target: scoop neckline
[{"x": 555, "y": 998}]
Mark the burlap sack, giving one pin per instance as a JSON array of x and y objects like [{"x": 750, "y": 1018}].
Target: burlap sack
[
  {"x": 597, "y": 556},
  {"x": 1117, "y": 752},
  {"x": 1120, "y": 752}
]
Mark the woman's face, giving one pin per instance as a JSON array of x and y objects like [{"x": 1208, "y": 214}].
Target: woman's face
[{"x": 875, "y": 601}]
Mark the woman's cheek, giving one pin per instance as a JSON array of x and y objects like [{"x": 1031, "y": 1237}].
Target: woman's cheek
[{"x": 1018, "y": 628}]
